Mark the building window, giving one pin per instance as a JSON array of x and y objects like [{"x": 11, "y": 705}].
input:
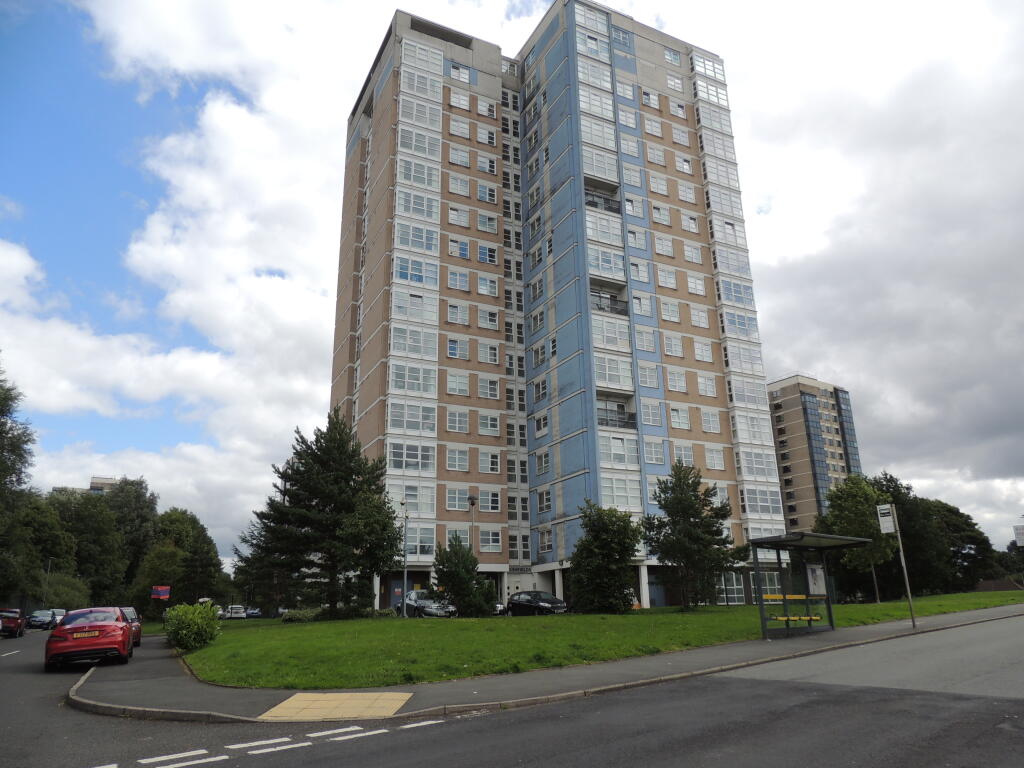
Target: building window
[
  {"x": 714, "y": 457},
  {"x": 680, "y": 417},
  {"x": 654, "y": 452},
  {"x": 676, "y": 380},
  {"x": 543, "y": 462},
  {"x": 710, "y": 421},
  {"x": 706, "y": 385},
  {"x": 458, "y": 459}
]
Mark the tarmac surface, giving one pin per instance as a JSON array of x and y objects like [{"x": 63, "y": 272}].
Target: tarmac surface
[{"x": 157, "y": 684}]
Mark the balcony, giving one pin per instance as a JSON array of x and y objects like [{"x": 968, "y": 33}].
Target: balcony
[
  {"x": 610, "y": 304},
  {"x": 602, "y": 202},
  {"x": 617, "y": 420}
]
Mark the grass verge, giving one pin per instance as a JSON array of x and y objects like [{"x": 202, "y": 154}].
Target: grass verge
[{"x": 376, "y": 652}]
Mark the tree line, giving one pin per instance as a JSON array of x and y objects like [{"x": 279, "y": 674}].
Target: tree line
[
  {"x": 69, "y": 549},
  {"x": 945, "y": 549}
]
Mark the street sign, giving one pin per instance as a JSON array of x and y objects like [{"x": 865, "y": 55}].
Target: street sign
[
  {"x": 1018, "y": 535},
  {"x": 885, "y": 518}
]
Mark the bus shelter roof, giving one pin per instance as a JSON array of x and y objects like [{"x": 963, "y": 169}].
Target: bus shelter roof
[{"x": 805, "y": 540}]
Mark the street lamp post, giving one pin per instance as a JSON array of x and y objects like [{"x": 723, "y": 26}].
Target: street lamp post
[
  {"x": 405, "y": 556},
  {"x": 472, "y": 524}
]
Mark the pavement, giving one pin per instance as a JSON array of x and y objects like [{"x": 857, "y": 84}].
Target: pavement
[{"x": 158, "y": 685}]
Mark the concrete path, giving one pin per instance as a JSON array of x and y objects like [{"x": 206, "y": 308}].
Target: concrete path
[{"x": 157, "y": 685}]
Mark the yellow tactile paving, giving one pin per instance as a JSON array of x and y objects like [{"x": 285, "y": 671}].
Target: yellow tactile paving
[{"x": 337, "y": 706}]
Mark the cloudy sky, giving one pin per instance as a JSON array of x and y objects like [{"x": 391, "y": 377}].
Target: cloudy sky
[{"x": 170, "y": 186}]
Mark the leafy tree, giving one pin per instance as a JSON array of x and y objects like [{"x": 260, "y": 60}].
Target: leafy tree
[
  {"x": 455, "y": 568},
  {"x": 163, "y": 564},
  {"x": 603, "y": 575},
  {"x": 65, "y": 591},
  {"x": 98, "y": 543},
  {"x": 691, "y": 537},
  {"x": 331, "y": 516},
  {"x": 972, "y": 557},
  {"x": 134, "y": 508},
  {"x": 201, "y": 564},
  {"x": 16, "y": 440},
  {"x": 852, "y": 512},
  {"x": 924, "y": 544}
]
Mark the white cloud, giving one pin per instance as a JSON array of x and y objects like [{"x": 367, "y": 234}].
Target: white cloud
[
  {"x": 9, "y": 209},
  {"x": 846, "y": 143},
  {"x": 20, "y": 275}
]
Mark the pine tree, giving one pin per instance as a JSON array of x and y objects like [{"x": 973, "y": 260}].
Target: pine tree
[
  {"x": 330, "y": 517},
  {"x": 691, "y": 536}
]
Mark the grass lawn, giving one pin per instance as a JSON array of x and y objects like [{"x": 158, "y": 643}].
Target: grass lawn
[{"x": 374, "y": 652}]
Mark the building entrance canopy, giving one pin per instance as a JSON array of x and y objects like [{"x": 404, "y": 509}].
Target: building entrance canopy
[{"x": 804, "y": 603}]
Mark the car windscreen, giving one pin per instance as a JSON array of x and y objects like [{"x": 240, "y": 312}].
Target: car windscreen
[
  {"x": 9, "y": 614},
  {"x": 546, "y": 596},
  {"x": 42, "y": 614},
  {"x": 88, "y": 617}
]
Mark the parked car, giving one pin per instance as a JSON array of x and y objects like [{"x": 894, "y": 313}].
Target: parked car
[
  {"x": 499, "y": 609},
  {"x": 44, "y": 619},
  {"x": 253, "y": 613},
  {"x": 534, "y": 603},
  {"x": 89, "y": 634},
  {"x": 235, "y": 612},
  {"x": 12, "y": 622},
  {"x": 132, "y": 617},
  {"x": 419, "y": 605}
]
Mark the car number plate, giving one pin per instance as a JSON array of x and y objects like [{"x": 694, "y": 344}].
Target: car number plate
[{"x": 95, "y": 633}]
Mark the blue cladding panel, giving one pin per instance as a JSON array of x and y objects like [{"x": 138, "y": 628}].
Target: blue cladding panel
[
  {"x": 565, "y": 272},
  {"x": 383, "y": 79},
  {"x": 624, "y": 62},
  {"x": 554, "y": 57},
  {"x": 574, "y": 492},
  {"x": 560, "y": 140},
  {"x": 549, "y": 33},
  {"x": 571, "y": 417},
  {"x": 572, "y": 452},
  {"x": 562, "y": 202},
  {"x": 572, "y": 530},
  {"x": 565, "y": 234},
  {"x": 558, "y": 110},
  {"x": 570, "y": 376},
  {"x": 561, "y": 171},
  {"x": 570, "y": 339},
  {"x": 567, "y": 304}
]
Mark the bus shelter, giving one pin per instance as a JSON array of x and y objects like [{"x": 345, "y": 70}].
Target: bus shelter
[{"x": 804, "y": 604}]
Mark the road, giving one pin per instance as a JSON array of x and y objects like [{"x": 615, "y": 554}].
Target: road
[{"x": 954, "y": 697}]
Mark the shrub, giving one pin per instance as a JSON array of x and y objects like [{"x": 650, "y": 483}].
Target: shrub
[
  {"x": 302, "y": 615},
  {"x": 190, "y": 627}
]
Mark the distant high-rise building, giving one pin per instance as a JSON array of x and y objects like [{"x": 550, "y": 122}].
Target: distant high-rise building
[
  {"x": 816, "y": 444},
  {"x": 544, "y": 292},
  {"x": 97, "y": 484}
]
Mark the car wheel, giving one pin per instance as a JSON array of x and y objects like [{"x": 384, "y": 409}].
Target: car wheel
[
  {"x": 137, "y": 643},
  {"x": 418, "y": 614},
  {"x": 122, "y": 658},
  {"x": 131, "y": 650},
  {"x": 22, "y": 632}
]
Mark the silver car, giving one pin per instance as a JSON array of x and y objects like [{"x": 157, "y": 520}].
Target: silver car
[{"x": 419, "y": 605}]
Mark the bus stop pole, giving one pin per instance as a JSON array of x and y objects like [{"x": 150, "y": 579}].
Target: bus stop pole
[
  {"x": 759, "y": 594},
  {"x": 903, "y": 562}
]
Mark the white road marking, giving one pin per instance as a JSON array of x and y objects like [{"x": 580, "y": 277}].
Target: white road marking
[
  {"x": 278, "y": 749},
  {"x": 336, "y": 730},
  {"x": 358, "y": 735},
  {"x": 420, "y": 724},
  {"x": 160, "y": 759},
  {"x": 10, "y": 654},
  {"x": 257, "y": 743},
  {"x": 197, "y": 762},
  {"x": 108, "y": 765}
]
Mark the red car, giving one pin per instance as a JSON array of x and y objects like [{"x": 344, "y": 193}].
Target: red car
[
  {"x": 89, "y": 634},
  {"x": 12, "y": 622}
]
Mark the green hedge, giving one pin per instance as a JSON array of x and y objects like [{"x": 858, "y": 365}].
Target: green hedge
[{"x": 190, "y": 627}]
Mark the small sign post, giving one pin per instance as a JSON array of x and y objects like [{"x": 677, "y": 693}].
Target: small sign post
[{"x": 888, "y": 522}]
